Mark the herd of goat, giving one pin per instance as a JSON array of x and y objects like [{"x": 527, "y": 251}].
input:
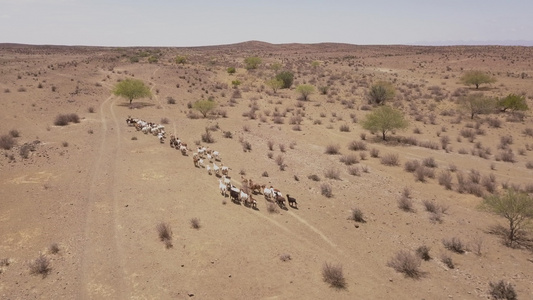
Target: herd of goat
[{"x": 204, "y": 157}]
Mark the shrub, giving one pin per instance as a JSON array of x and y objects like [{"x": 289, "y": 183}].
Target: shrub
[
  {"x": 165, "y": 121},
  {"x": 407, "y": 263},
  {"x": 314, "y": 177},
  {"x": 14, "y": 133},
  {"x": 502, "y": 290},
  {"x": 374, "y": 152},
  {"x": 454, "y": 244},
  {"x": 285, "y": 257},
  {"x": 228, "y": 134},
  {"x": 447, "y": 260},
  {"x": 357, "y": 145},
  {"x": 405, "y": 204},
  {"x": 353, "y": 170},
  {"x": 357, "y": 215},
  {"x": 445, "y": 179},
  {"x": 195, "y": 223},
  {"x": 333, "y": 275},
  {"x": 270, "y": 145},
  {"x": 40, "y": 266},
  {"x": 264, "y": 174},
  {"x": 332, "y": 173},
  {"x": 429, "y": 162},
  {"x": 349, "y": 159},
  {"x": 53, "y": 248},
  {"x": 391, "y": 159},
  {"x": 344, "y": 128},
  {"x": 7, "y": 142},
  {"x": 171, "y": 100},
  {"x": 332, "y": 149},
  {"x": 326, "y": 190},
  {"x": 411, "y": 165},
  {"x": 165, "y": 233},
  {"x": 64, "y": 119},
  {"x": 207, "y": 137},
  {"x": 246, "y": 146},
  {"x": 423, "y": 252}
]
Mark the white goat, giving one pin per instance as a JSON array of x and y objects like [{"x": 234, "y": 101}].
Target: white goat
[
  {"x": 208, "y": 168},
  {"x": 216, "y": 169},
  {"x": 223, "y": 188}
]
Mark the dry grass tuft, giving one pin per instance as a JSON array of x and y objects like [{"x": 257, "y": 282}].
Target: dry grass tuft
[
  {"x": 195, "y": 223},
  {"x": 407, "y": 263},
  {"x": 333, "y": 275},
  {"x": 40, "y": 266}
]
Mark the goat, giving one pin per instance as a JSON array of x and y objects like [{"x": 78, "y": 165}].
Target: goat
[
  {"x": 201, "y": 163},
  {"x": 280, "y": 200},
  {"x": 292, "y": 201},
  {"x": 183, "y": 150},
  {"x": 234, "y": 194},
  {"x": 223, "y": 188},
  {"x": 224, "y": 169},
  {"x": 248, "y": 200},
  {"x": 256, "y": 187},
  {"x": 216, "y": 155},
  {"x": 208, "y": 168},
  {"x": 216, "y": 169}
]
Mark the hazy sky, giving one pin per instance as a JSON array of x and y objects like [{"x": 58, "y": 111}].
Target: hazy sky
[{"x": 212, "y": 22}]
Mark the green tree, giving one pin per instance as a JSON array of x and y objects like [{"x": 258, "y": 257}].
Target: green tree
[
  {"x": 516, "y": 207},
  {"x": 252, "y": 62},
  {"x": 513, "y": 102},
  {"x": 305, "y": 90},
  {"x": 204, "y": 106},
  {"x": 235, "y": 83},
  {"x": 274, "y": 84},
  {"x": 380, "y": 92},
  {"x": 476, "y": 78},
  {"x": 287, "y": 77},
  {"x": 132, "y": 89},
  {"x": 231, "y": 70},
  {"x": 384, "y": 119},
  {"x": 181, "y": 59},
  {"x": 477, "y": 104}
]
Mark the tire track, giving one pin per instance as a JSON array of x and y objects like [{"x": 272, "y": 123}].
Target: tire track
[{"x": 102, "y": 260}]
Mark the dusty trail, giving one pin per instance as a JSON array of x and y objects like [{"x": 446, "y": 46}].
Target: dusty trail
[{"x": 102, "y": 260}]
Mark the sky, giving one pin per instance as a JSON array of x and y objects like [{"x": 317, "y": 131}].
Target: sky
[{"x": 178, "y": 23}]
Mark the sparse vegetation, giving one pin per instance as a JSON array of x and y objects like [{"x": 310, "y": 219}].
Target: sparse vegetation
[
  {"x": 407, "y": 263},
  {"x": 40, "y": 266},
  {"x": 384, "y": 119},
  {"x": 333, "y": 275},
  {"x": 502, "y": 290}
]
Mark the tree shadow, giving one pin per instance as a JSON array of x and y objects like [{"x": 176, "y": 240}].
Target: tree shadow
[{"x": 136, "y": 105}]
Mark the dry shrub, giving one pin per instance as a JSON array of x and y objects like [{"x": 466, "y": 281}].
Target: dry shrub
[
  {"x": 407, "y": 263},
  {"x": 405, "y": 203},
  {"x": 422, "y": 172},
  {"x": 207, "y": 137},
  {"x": 349, "y": 159},
  {"x": 423, "y": 252},
  {"x": 246, "y": 146},
  {"x": 357, "y": 146},
  {"x": 285, "y": 257},
  {"x": 332, "y": 149},
  {"x": 24, "y": 151},
  {"x": 314, "y": 177},
  {"x": 391, "y": 159},
  {"x": 14, "y": 133},
  {"x": 357, "y": 215},
  {"x": 270, "y": 145},
  {"x": 502, "y": 290},
  {"x": 165, "y": 233},
  {"x": 195, "y": 223},
  {"x": 333, "y": 275},
  {"x": 447, "y": 260},
  {"x": 7, "y": 142},
  {"x": 40, "y": 266},
  {"x": 344, "y": 128},
  {"x": 326, "y": 190},
  {"x": 332, "y": 173},
  {"x": 53, "y": 248},
  {"x": 411, "y": 165},
  {"x": 429, "y": 162},
  {"x": 354, "y": 170},
  {"x": 445, "y": 179},
  {"x": 454, "y": 244},
  {"x": 506, "y": 156},
  {"x": 374, "y": 152}
]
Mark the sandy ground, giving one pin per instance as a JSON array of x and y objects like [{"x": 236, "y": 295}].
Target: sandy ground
[{"x": 99, "y": 188}]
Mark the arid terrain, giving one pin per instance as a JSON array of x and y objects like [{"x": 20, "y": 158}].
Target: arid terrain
[{"x": 89, "y": 196}]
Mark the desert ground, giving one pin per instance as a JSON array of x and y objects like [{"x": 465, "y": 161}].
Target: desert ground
[{"x": 89, "y": 196}]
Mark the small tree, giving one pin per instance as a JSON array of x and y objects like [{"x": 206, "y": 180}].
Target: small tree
[
  {"x": 476, "y": 78},
  {"x": 477, "y": 104},
  {"x": 132, "y": 89},
  {"x": 252, "y": 62},
  {"x": 305, "y": 90},
  {"x": 274, "y": 84},
  {"x": 287, "y": 77},
  {"x": 380, "y": 92},
  {"x": 384, "y": 119},
  {"x": 204, "y": 106},
  {"x": 515, "y": 206},
  {"x": 231, "y": 70},
  {"x": 181, "y": 60},
  {"x": 513, "y": 102}
]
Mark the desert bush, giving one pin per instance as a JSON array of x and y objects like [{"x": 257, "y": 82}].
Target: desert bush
[
  {"x": 314, "y": 177},
  {"x": 282, "y": 147},
  {"x": 354, "y": 170},
  {"x": 14, "y": 133},
  {"x": 357, "y": 215},
  {"x": 228, "y": 134},
  {"x": 349, "y": 159},
  {"x": 40, "y": 266},
  {"x": 64, "y": 119},
  {"x": 502, "y": 290},
  {"x": 411, "y": 165},
  {"x": 344, "y": 128},
  {"x": 270, "y": 145},
  {"x": 405, "y": 203},
  {"x": 171, "y": 100},
  {"x": 195, "y": 223},
  {"x": 7, "y": 142},
  {"x": 165, "y": 121},
  {"x": 53, "y": 248},
  {"x": 407, "y": 263},
  {"x": 374, "y": 152},
  {"x": 285, "y": 257},
  {"x": 362, "y": 155},
  {"x": 332, "y": 149},
  {"x": 429, "y": 162},
  {"x": 357, "y": 146},
  {"x": 207, "y": 137},
  {"x": 454, "y": 244},
  {"x": 326, "y": 190},
  {"x": 506, "y": 156},
  {"x": 391, "y": 159},
  {"x": 165, "y": 233},
  {"x": 333, "y": 275},
  {"x": 423, "y": 252},
  {"x": 246, "y": 146},
  {"x": 332, "y": 173},
  {"x": 447, "y": 260},
  {"x": 445, "y": 179}
]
